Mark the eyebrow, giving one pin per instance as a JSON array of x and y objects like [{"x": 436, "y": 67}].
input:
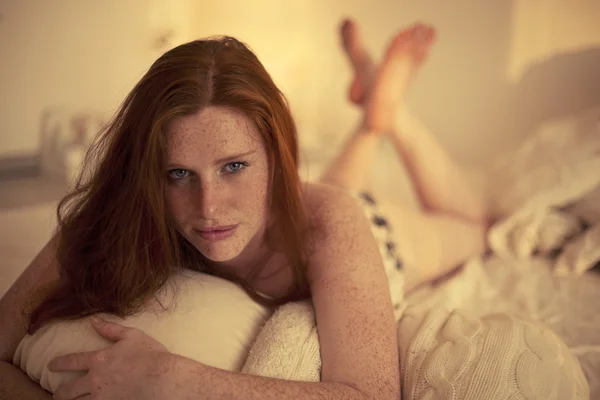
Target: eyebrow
[
  {"x": 234, "y": 157},
  {"x": 223, "y": 160}
]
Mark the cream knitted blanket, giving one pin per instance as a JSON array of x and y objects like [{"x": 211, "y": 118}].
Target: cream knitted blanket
[{"x": 443, "y": 355}]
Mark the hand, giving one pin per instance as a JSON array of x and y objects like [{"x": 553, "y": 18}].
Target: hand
[{"x": 135, "y": 367}]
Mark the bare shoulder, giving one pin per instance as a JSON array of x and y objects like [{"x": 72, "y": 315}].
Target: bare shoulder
[
  {"x": 329, "y": 206},
  {"x": 319, "y": 192},
  {"x": 341, "y": 230}
]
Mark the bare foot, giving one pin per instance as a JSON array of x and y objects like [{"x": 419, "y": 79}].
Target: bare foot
[
  {"x": 405, "y": 54},
  {"x": 364, "y": 69}
]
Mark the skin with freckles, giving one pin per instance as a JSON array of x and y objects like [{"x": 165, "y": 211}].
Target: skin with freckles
[{"x": 218, "y": 174}]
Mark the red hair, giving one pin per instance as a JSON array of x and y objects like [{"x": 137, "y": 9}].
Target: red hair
[{"x": 117, "y": 242}]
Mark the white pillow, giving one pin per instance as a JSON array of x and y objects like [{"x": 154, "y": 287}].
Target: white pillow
[{"x": 210, "y": 320}]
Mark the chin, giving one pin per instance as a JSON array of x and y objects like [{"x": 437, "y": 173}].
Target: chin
[
  {"x": 219, "y": 257},
  {"x": 220, "y": 251}
]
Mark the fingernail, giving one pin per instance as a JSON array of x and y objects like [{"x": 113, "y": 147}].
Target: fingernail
[{"x": 97, "y": 319}]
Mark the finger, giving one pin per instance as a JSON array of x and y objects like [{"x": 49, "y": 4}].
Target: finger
[
  {"x": 81, "y": 361},
  {"x": 110, "y": 330},
  {"x": 79, "y": 388}
]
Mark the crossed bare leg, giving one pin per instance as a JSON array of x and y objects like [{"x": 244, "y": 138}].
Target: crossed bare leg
[
  {"x": 452, "y": 218},
  {"x": 381, "y": 91}
]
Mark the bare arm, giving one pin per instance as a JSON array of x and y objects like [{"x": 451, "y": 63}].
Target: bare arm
[
  {"x": 203, "y": 382},
  {"x": 14, "y": 384},
  {"x": 352, "y": 301},
  {"x": 355, "y": 323},
  {"x": 354, "y": 318}
]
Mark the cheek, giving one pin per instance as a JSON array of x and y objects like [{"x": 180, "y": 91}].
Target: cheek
[
  {"x": 178, "y": 203},
  {"x": 250, "y": 194},
  {"x": 256, "y": 203},
  {"x": 258, "y": 196}
]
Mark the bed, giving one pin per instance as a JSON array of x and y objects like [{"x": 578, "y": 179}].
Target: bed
[
  {"x": 513, "y": 278},
  {"x": 545, "y": 258},
  {"x": 568, "y": 305}
]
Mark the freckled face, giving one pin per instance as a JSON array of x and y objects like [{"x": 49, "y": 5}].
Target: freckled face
[{"x": 218, "y": 178}]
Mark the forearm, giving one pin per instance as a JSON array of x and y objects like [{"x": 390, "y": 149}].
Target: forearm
[
  {"x": 15, "y": 384},
  {"x": 199, "y": 382}
]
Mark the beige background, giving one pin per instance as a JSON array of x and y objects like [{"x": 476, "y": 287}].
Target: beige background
[{"x": 498, "y": 70}]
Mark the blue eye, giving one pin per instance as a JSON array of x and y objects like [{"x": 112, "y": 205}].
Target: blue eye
[
  {"x": 235, "y": 167},
  {"x": 178, "y": 173}
]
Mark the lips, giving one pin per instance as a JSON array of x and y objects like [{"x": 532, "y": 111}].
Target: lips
[{"x": 215, "y": 233}]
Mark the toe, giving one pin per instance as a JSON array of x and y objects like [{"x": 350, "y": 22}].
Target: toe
[
  {"x": 360, "y": 60},
  {"x": 424, "y": 38},
  {"x": 349, "y": 33}
]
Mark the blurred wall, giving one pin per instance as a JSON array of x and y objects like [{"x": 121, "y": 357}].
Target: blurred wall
[
  {"x": 554, "y": 64},
  {"x": 492, "y": 77},
  {"x": 299, "y": 44},
  {"x": 543, "y": 28},
  {"x": 75, "y": 54}
]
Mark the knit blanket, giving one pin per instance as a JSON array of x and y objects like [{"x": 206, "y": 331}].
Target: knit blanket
[{"x": 443, "y": 355}]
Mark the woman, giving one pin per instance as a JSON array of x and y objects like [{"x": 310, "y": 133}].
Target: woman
[{"x": 198, "y": 169}]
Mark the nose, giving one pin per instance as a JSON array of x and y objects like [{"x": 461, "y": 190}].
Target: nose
[{"x": 208, "y": 199}]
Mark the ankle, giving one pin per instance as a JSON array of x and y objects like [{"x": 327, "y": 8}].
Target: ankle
[
  {"x": 379, "y": 120},
  {"x": 406, "y": 127},
  {"x": 369, "y": 127},
  {"x": 403, "y": 120}
]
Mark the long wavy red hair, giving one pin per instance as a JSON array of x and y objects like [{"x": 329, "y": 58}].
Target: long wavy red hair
[{"x": 117, "y": 243}]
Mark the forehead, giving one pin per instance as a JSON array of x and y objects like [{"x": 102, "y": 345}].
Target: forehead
[{"x": 213, "y": 131}]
